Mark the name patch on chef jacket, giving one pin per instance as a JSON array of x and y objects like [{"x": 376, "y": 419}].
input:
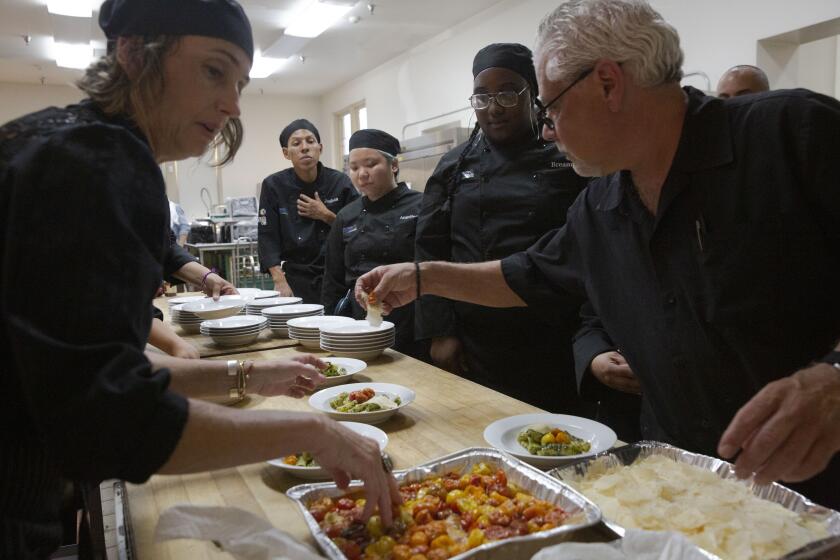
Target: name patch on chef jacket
[
  {"x": 409, "y": 217},
  {"x": 348, "y": 230},
  {"x": 331, "y": 200},
  {"x": 468, "y": 174},
  {"x": 283, "y": 210}
]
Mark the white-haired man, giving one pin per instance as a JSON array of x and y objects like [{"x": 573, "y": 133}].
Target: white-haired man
[{"x": 708, "y": 247}]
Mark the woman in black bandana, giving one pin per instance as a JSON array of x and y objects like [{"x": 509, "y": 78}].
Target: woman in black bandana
[
  {"x": 376, "y": 229},
  {"x": 79, "y": 400},
  {"x": 491, "y": 197}
]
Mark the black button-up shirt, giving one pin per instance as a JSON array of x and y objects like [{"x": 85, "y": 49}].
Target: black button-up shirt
[
  {"x": 733, "y": 283},
  {"x": 284, "y": 235},
  {"x": 82, "y": 200},
  {"x": 367, "y": 234},
  {"x": 503, "y": 201}
]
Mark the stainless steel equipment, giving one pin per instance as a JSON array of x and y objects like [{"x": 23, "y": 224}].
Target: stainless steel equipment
[{"x": 421, "y": 155}]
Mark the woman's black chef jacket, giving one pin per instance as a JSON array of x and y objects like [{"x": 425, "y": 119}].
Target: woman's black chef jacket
[
  {"x": 286, "y": 236},
  {"x": 504, "y": 201},
  {"x": 82, "y": 202},
  {"x": 368, "y": 234}
]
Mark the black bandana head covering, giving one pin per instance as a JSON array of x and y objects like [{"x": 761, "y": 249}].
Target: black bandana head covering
[
  {"x": 376, "y": 139},
  {"x": 222, "y": 19},
  {"x": 294, "y": 126},
  {"x": 512, "y": 56}
]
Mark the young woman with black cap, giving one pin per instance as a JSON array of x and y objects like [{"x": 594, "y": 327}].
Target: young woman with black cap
[
  {"x": 376, "y": 229},
  {"x": 297, "y": 207},
  {"x": 79, "y": 400},
  {"x": 491, "y": 197}
]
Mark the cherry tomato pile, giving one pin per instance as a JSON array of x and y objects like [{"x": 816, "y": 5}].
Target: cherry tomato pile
[
  {"x": 440, "y": 518},
  {"x": 363, "y": 395}
]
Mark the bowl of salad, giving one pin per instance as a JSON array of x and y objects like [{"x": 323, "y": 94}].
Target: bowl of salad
[
  {"x": 371, "y": 403},
  {"x": 303, "y": 465},
  {"x": 340, "y": 370}
]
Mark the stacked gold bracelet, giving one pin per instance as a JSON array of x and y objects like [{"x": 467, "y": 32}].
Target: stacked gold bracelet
[{"x": 237, "y": 368}]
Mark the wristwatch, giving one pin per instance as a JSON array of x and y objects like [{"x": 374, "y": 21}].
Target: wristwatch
[{"x": 832, "y": 358}]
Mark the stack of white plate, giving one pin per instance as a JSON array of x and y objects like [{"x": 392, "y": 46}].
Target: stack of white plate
[
  {"x": 234, "y": 331},
  {"x": 307, "y": 330},
  {"x": 189, "y": 322},
  {"x": 358, "y": 340},
  {"x": 256, "y": 306},
  {"x": 279, "y": 315}
]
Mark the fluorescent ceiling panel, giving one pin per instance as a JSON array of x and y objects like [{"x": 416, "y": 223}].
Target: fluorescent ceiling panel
[
  {"x": 74, "y": 8},
  {"x": 316, "y": 18},
  {"x": 264, "y": 67},
  {"x": 73, "y": 55}
]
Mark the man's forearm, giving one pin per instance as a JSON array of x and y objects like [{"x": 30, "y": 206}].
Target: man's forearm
[{"x": 479, "y": 283}]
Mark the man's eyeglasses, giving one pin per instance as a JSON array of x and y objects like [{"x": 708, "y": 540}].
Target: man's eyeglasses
[
  {"x": 542, "y": 110},
  {"x": 480, "y": 101}
]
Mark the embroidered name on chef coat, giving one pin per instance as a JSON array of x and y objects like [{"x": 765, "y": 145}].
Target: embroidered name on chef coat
[
  {"x": 409, "y": 217},
  {"x": 283, "y": 210},
  {"x": 348, "y": 230},
  {"x": 468, "y": 174},
  {"x": 331, "y": 200}
]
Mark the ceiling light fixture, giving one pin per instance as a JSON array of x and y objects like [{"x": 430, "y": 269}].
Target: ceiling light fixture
[
  {"x": 73, "y": 8},
  {"x": 316, "y": 18},
  {"x": 354, "y": 19},
  {"x": 73, "y": 55},
  {"x": 264, "y": 66}
]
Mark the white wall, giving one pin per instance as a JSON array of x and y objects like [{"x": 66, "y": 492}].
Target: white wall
[
  {"x": 263, "y": 116},
  {"x": 435, "y": 77},
  {"x": 17, "y": 100}
]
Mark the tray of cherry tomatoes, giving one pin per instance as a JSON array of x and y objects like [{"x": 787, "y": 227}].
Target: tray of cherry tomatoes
[{"x": 474, "y": 503}]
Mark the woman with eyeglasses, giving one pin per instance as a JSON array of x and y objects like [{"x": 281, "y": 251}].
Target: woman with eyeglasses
[{"x": 493, "y": 196}]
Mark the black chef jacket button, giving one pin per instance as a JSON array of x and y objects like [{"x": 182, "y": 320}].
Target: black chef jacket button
[
  {"x": 387, "y": 228},
  {"x": 671, "y": 300},
  {"x": 705, "y": 423},
  {"x": 680, "y": 362}
]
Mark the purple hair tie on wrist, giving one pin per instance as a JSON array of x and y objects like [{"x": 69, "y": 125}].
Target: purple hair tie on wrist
[{"x": 204, "y": 278}]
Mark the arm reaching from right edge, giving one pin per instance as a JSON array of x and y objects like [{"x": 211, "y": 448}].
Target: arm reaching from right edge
[{"x": 395, "y": 285}]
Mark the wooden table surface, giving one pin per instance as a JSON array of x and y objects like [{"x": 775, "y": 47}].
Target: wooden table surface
[
  {"x": 209, "y": 349},
  {"x": 450, "y": 414}
]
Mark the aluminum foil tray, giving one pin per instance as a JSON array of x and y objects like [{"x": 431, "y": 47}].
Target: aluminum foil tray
[
  {"x": 533, "y": 481},
  {"x": 773, "y": 492}
]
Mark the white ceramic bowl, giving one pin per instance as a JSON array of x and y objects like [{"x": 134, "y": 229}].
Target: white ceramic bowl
[
  {"x": 352, "y": 366},
  {"x": 234, "y": 324},
  {"x": 317, "y": 322},
  {"x": 235, "y": 340},
  {"x": 502, "y": 434},
  {"x": 215, "y": 309},
  {"x": 357, "y": 329},
  {"x": 317, "y": 473},
  {"x": 321, "y": 401}
]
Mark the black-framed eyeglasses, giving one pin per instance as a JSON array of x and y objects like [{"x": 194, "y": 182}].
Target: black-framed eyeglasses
[
  {"x": 481, "y": 101},
  {"x": 542, "y": 110}
]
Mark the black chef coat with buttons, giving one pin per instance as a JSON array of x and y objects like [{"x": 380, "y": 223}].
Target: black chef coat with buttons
[
  {"x": 367, "y": 234},
  {"x": 505, "y": 200},
  {"x": 286, "y": 236},
  {"x": 733, "y": 283},
  {"x": 81, "y": 198}
]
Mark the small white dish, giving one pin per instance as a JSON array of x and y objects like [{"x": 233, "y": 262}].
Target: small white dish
[
  {"x": 502, "y": 434},
  {"x": 298, "y": 310},
  {"x": 352, "y": 366},
  {"x": 317, "y": 322},
  {"x": 318, "y": 473},
  {"x": 321, "y": 401}
]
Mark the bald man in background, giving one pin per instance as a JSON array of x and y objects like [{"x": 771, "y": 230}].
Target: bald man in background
[{"x": 742, "y": 80}]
